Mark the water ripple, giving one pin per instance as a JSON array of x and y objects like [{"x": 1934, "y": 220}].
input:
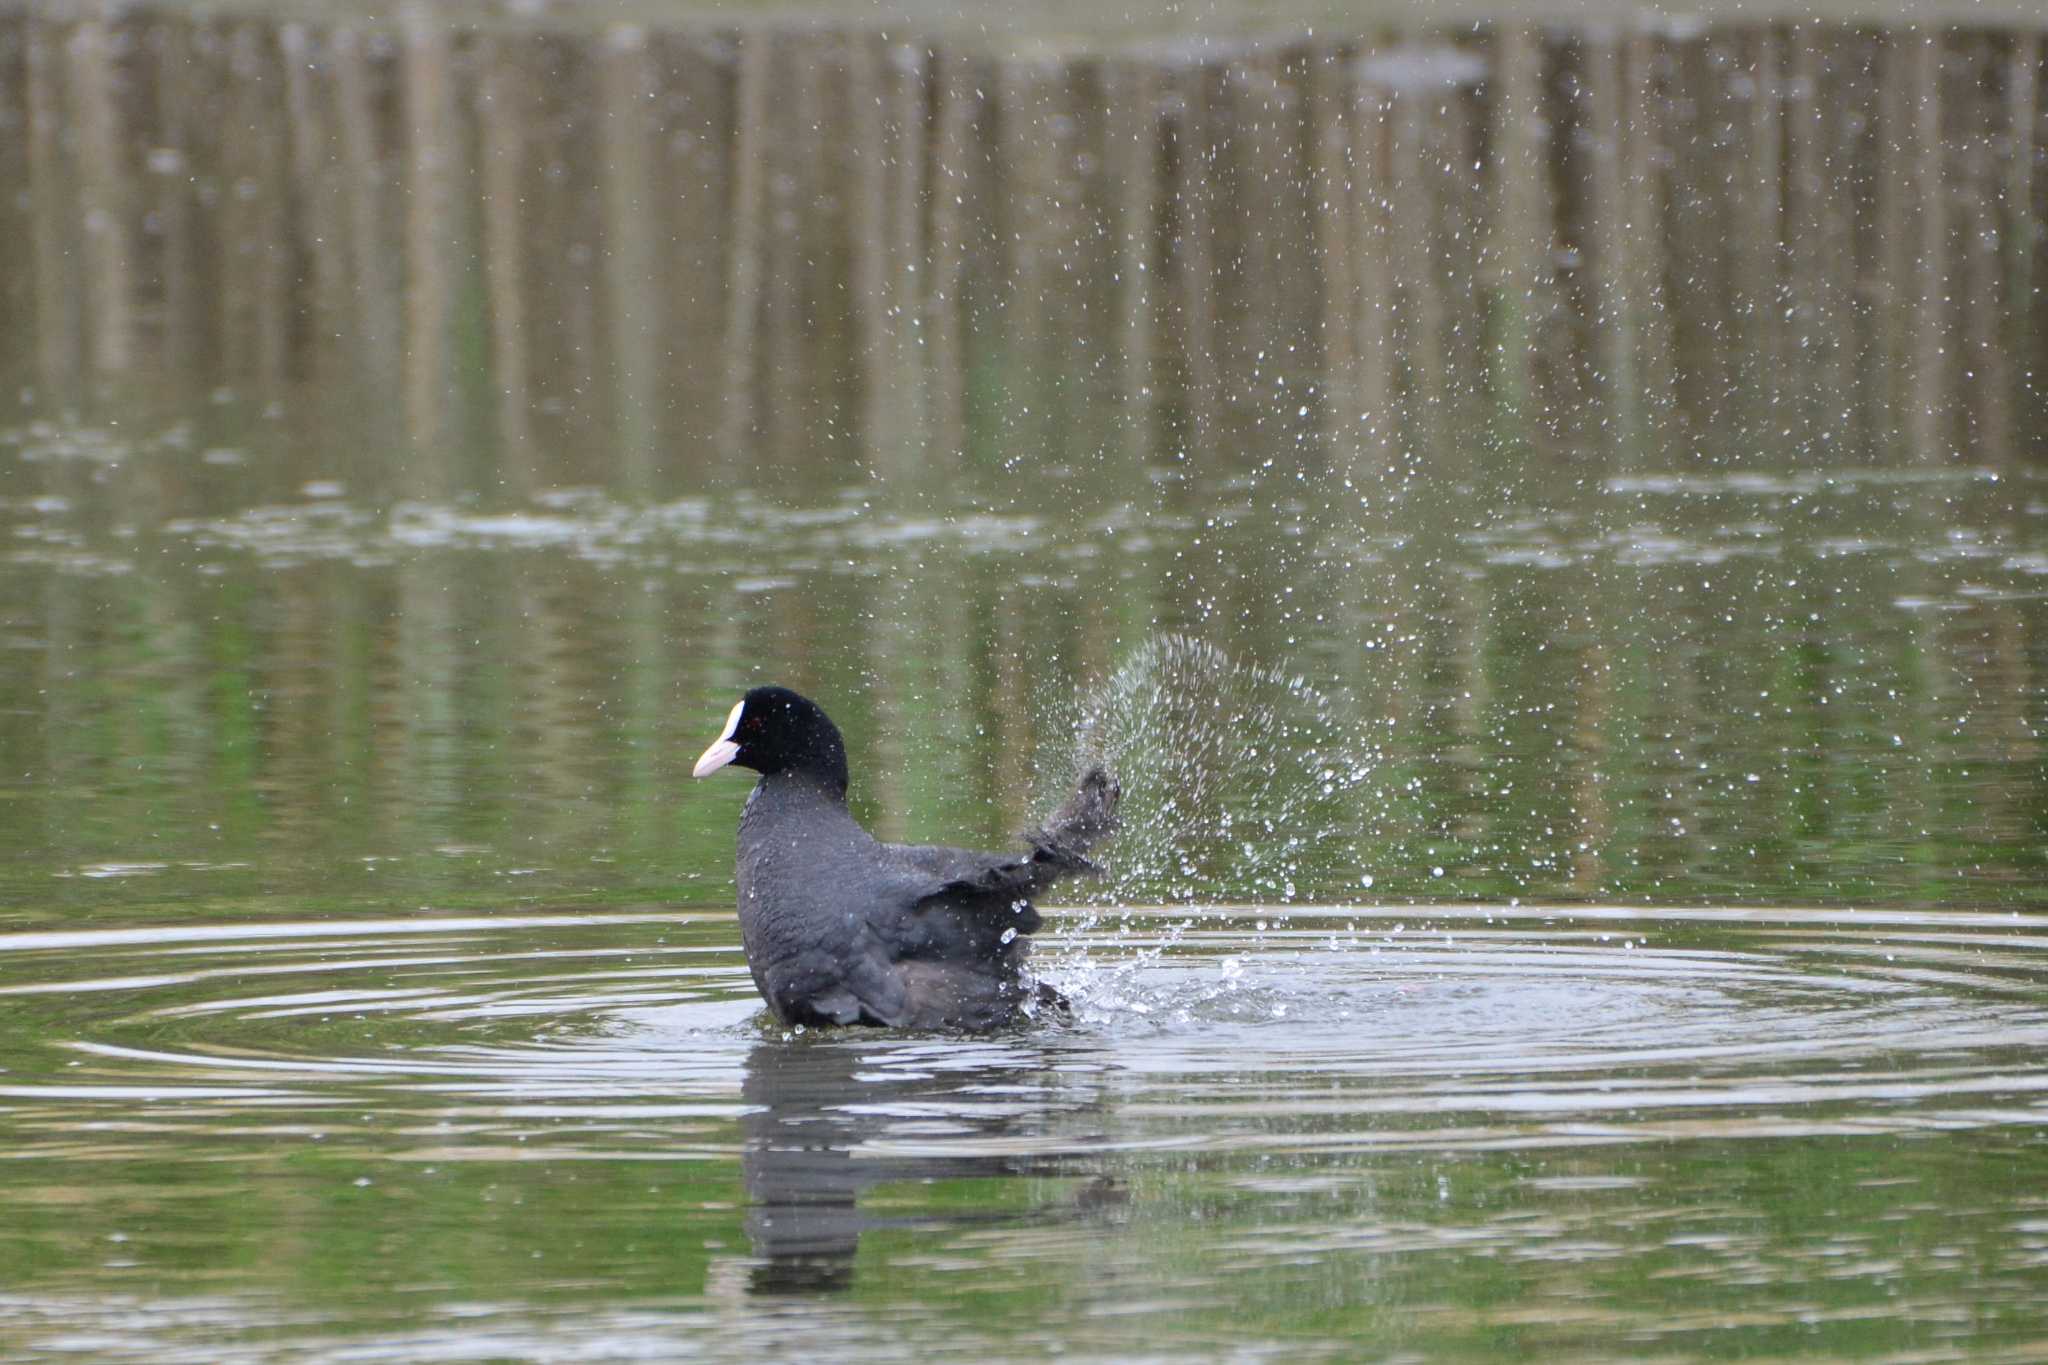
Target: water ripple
[{"x": 1324, "y": 1030}]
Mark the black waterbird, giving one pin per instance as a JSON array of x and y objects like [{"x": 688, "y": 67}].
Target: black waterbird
[{"x": 841, "y": 928}]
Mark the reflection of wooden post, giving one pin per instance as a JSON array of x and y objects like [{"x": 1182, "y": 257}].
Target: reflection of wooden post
[
  {"x": 1419, "y": 315},
  {"x": 906, "y": 84},
  {"x": 59, "y": 333},
  {"x": 1592, "y": 722},
  {"x": 1250, "y": 308},
  {"x": 1469, "y": 605},
  {"x": 232, "y": 267},
  {"x": 427, "y": 745},
  {"x": 1613, "y": 347},
  {"x": 1131, "y": 166},
  {"x": 1332, "y": 209},
  {"x": 560, "y": 301},
  {"x": 105, "y": 198},
  {"x": 1895, "y": 193},
  {"x": 2022, "y": 238},
  {"x": 650, "y": 703},
  {"x": 1192, "y": 258},
  {"x": 2008, "y": 740},
  {"x": 1697, "y": 243},
  {"x": 868, "y": 247},
  {"x": 1807, "y": 197},
  {"x": 1825, "y": 130},
  {"x": 1757, "y": 239},
  {"x": 502, "y": 118},
  {"x": 429, "y": 223},
  {"x": 1929, "y": 320},
  {"x": 551, "y": 199},
  {"x": 1456, "y": 143},
  {"x": 187, "y": 337},
  {"x": 631, "y": 293},
  {"x": 893, "y": 650},
  {"x": 297, "y": 731},
  {"x": 1027, "y": 159},
  {"x": 2020, "y": 234},
  {"x": 373, "y": 261},
  {"x": 1644, "y": 128},
  {"x": 1930, "y": 688},
  {"x": 1980, "y": 387},
  {"x": 256, "y": 267},
  {"x": 350, "y": 718},
  {"x": 1009, "y": 704},
  {"x": 791, "y": 402},
  {"x": 744, "y": 247},
  {"x": 1372, "y": 385},
  {"x": 312, "y": 160},
  {"x": 1852, "y": 387},
  {"x": 1519, "y": 236},
  {"x": 694, "y": 191},
  {"x": 1054, "y": 344},
  {"x": 954, "y": 100},
  {"x": 17, "y": 297}
]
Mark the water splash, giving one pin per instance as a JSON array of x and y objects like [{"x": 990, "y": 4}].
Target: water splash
[
  {"x": 1238, "y": 778},
  {"x": 1239, "y": 781}
]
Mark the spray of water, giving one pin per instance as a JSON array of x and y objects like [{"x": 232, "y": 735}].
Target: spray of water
[
  {"x": 1241, "y": 784},
  {"x": 1238, "y": 779}
]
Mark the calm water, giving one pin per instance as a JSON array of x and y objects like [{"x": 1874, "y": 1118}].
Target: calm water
[{"x": 1550, "y": 523}]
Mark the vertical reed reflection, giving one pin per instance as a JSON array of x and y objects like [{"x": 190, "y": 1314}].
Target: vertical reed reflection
[
  {"x": 1752, "y": 218},
  {"x": 17, "y": 299},
  {"x": 631, "y": 221},
  {"x": 435, "y": 176},
  {"x": 54, "y": 209},
  {"x": 510, "y": 261},
  {"x": 504, "y": 111}
]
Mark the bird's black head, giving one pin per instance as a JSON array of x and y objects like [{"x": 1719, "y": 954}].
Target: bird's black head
[{"x": 773, "y": 730}]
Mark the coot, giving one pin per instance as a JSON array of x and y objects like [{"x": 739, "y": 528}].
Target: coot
[{"x": 840, "y": 928}]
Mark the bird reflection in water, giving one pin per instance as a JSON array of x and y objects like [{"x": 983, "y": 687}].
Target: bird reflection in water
[{"x": 832, "y": 1117}]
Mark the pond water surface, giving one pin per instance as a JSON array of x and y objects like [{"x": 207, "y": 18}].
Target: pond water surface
[{"x": 1549, "y": 523}]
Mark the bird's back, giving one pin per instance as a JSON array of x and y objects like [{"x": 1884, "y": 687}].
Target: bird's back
[{"x": 842, "y": 928}]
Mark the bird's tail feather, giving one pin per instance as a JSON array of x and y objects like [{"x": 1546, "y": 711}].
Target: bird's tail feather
[{"x": 1086, "y": 819}]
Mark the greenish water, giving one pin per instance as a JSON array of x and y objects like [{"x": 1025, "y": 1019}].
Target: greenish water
[
  {"x": 1460, "y": 1132},
  {"x": 1549, "y": 524}
]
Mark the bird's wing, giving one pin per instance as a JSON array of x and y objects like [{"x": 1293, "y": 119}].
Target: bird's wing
[
  {"x": 997, "y": 881},
  {"x": 965, "y": 876},
  {"x": 870, "y": 991}
]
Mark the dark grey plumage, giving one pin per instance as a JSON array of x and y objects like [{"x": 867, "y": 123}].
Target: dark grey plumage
[{"x": 841, "y": 928}]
